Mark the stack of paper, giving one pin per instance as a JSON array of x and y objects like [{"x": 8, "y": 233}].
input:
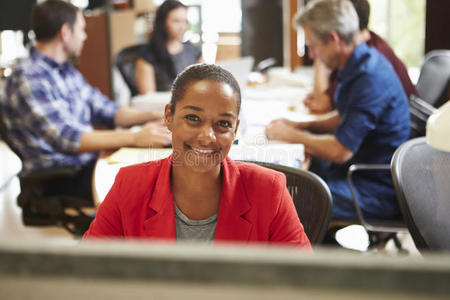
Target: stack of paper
[{"x": 138, "y": 155}]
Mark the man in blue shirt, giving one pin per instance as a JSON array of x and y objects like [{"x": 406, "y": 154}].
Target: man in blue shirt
[
  {"x": 371, "y": 118},
  {"x": 50, "y": 110}
]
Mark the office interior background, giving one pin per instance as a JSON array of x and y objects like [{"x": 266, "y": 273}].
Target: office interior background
[{"x": 225, "y": 29}]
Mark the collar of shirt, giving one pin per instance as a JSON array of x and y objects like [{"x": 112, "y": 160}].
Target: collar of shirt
[
  {"x": 63, "y": 68},
  {"x": 353, "y": 62}
]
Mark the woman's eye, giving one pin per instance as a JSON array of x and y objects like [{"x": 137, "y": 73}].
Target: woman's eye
[
  {"x": 192, "y": 118},
  {"x": 224, "y": 123}
]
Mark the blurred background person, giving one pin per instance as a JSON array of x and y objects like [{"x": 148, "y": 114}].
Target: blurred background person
[
  {"x": 371, "y": 118},
  {"x": 166, "y": 54},
  {"x": 50, "y": 110},
  {"x": 325, "y": 80}
]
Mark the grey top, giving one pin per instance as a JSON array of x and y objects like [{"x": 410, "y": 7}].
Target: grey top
[
  {"x": 198, "y": 230},
  {"x": 164, "y": 77}
]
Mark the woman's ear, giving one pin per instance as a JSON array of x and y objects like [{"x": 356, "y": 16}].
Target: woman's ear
[
  {"x": 237, "y": 127},
  {"x": 168, "y": 117}
]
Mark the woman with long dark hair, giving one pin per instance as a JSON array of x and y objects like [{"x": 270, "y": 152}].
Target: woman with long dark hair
[{"x": 166, "y": 54}]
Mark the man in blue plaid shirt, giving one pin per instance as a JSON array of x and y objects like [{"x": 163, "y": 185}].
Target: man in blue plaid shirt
[{"x": 49, "y": 108}]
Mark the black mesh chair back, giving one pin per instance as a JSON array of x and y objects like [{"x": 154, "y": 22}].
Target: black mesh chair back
[
  {"x": 422, "y": 182},
  {"x": 311, "y": 196},
  {"x": 125, "y": 61},
  {"x": 434, "y": 78}
]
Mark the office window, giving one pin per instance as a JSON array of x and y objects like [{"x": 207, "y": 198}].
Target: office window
[{"x": 402, "y": 24}]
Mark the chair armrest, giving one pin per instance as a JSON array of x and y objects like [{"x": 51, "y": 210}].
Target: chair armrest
[
  {"x": 421, "y": 108},
  {"x": 364, "y": 167}
]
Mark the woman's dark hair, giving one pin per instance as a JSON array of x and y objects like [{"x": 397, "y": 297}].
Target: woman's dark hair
[
  {"x": 48, "y": 17},
  {"x": 199, "y": 72},
  {"x": 159, "y": 35},
  {"x": 362, "y": 8}
]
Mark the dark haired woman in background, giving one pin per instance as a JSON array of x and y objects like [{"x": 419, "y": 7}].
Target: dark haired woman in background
[
  {"x": 198, "y": 193},
  {"x": 166, "y": 54}
]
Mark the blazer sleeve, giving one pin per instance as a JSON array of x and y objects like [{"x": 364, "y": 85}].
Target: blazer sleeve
[
  {"x": 108, "y": 221},
  {"x": 286, "y": 227}
]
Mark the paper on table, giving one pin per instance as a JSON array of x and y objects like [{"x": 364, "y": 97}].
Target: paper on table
[
  {"x": 291, "y": 155},
  {"x": 138, "y": 155}
]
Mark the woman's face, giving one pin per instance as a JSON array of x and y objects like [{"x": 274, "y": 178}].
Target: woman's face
[
  {"x": 176, "y": 23},
  {"x": 203, "y": 125}
]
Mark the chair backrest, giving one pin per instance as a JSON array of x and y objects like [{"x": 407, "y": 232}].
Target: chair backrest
[
  {"x": 434, "y": 78},
  {"x": 125, "y": 61},
  {"x": 312, "y": 199},
  {"x": 421, "y": 179},
  {"x": 420, "y": 111}
]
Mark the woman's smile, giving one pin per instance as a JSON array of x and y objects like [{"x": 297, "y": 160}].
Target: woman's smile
[{"x": 202, "y": 151}]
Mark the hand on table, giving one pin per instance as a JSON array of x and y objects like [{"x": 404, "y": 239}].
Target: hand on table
[
  {"x": 317, "y": 104},
  {"x": 283, "y": 130},
  {"x": 153, "y": 134}
]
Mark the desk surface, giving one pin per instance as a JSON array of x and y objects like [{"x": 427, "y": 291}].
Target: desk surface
[{"x": 48, "y": 269}]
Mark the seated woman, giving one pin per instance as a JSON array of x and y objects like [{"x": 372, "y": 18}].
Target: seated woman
[
  {"x": 198, "y": 193},
  {"x": 166, "y": 55}
]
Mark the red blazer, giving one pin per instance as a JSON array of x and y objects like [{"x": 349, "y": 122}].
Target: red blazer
[{"x": 255, "y": 205}]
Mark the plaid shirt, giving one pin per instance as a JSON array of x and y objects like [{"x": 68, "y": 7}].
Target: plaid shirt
[{"x": 47, "y": 106}]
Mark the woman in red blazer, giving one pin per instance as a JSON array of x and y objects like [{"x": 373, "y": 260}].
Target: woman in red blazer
[{"x": 198, "y": 193}]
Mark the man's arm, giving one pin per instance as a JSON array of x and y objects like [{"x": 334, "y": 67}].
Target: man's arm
[
  {"x": 128, "y": 116},
  {"x": 145, "y": 76},
  {"x": 325, "y": 146},
  {"x": 151, "y": 135},
  {"x": 319, "y": 101},
  {"x": 326, "y": 123}
]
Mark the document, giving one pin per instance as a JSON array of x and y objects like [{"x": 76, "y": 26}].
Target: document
[{"x": 138, "y": 155}]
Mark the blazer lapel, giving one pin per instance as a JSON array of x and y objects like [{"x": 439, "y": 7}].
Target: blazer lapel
[
  {"x": 161, "y": 220},
  {"x": 231, "y": 224}
]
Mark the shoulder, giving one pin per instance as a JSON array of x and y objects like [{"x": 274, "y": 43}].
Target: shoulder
[
  {"x": 30, "y": 68},
  {"x": 140, "y": 173},
  {"x": 137, "y": 180},
  {"x": 254, "y": 175},
  {"x": 147, "y": 54},
  {"x": 28, "y": 77},
  {"x": 191, "y": 48},
  {"x": 380, "y": 44},
  {"x": 372, "y": 67}
]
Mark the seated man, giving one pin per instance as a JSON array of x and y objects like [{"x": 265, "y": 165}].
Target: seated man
[
  {"x": 325, "y": 81},
  {"x": 49, "y": 109},
  {"x": 372, "y": 117}
]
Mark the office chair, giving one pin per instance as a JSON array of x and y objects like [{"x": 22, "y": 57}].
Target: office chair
[
  {"x": 265, "y": 64},
  {"x": 311, "y": 196},
  {"x": 40, "y": 210},
  {"x": 125, "y": 61},
  {"x": 433, "y": 84},
  {"x": 380, "y": 231},
  {"x": 421, "y": 180},
  {"x": 420, "y": 111}
]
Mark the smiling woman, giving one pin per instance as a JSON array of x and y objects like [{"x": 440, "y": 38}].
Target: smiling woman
[{"x": 198, "y": 193}]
